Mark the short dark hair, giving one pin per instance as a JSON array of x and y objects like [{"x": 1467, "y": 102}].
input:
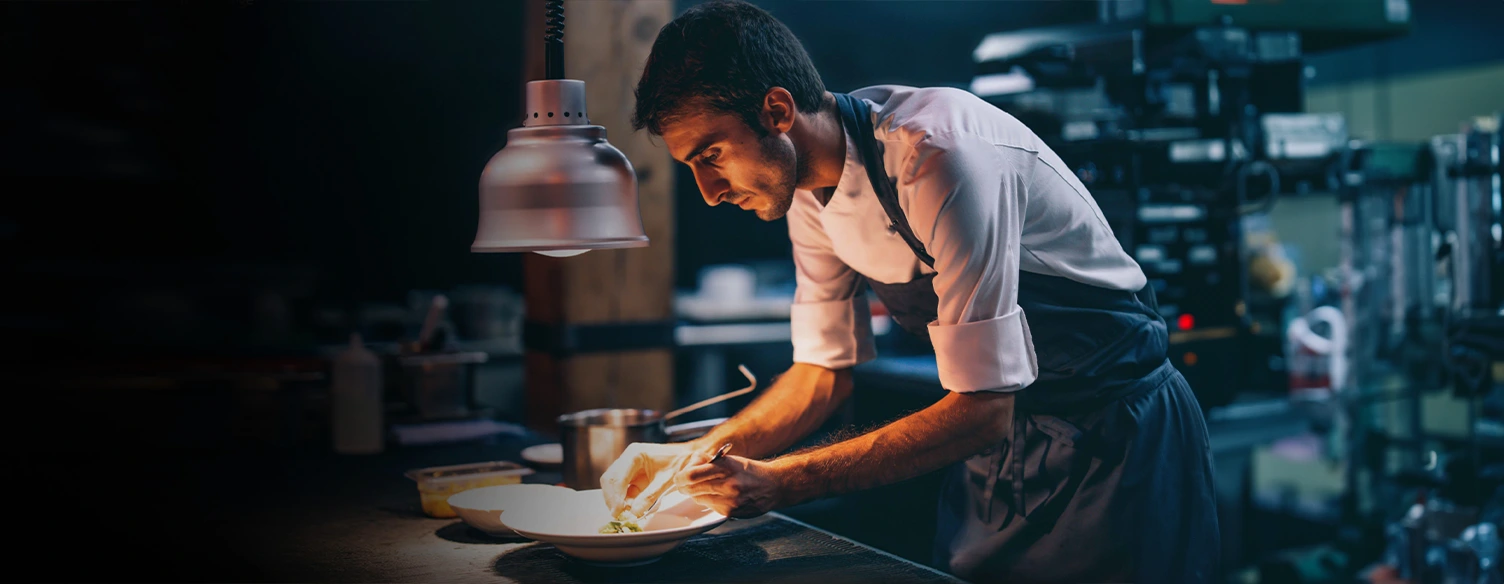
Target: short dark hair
[{"x": 724, "y": 55}]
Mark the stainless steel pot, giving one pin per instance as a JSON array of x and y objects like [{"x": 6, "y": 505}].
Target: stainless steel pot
[{"x": 593, "y": 439}]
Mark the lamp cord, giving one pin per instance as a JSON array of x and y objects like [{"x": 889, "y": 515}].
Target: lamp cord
[{"x": 553, "y": 39}]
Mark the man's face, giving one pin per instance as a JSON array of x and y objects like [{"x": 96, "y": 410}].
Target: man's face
[{"x": 733, "y": 164}]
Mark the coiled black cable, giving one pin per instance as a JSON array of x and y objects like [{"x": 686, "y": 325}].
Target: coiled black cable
[{"x": 553, "y": 39}]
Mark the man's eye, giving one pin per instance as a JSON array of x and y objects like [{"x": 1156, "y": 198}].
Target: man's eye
[{"x": 709, "y": 158}]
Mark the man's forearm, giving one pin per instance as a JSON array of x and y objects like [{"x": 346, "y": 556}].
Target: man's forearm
[
  {"x": 958, "y": 426},
  {"x": 795, "y": 405}
]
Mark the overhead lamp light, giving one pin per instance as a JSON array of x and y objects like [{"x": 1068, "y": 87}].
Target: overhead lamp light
[{"x": 558, "y": 188}]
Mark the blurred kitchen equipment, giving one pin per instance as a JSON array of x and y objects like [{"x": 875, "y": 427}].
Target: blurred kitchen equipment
[
  {"x": 728, "y": 283},
  {"x": 558, "y": 187},
  {"x": 1317, "y": 363},
  {"x": 1482, "y": 541},
  {"x": 438, "y": 384},
  {"x": 357, "y": 401},
  {"x": 382, "y": 322},
  {"x": 593, "y": 439},
  {"x": 436, "y": 484},
  {"x": 1438, "y": 542},
  {"x": 1469, "y": 216},
  {"x": 488, "y": 313},
  {"x": 436, "y": 310}
]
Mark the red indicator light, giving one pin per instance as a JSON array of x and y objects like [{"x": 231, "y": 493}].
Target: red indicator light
[{"x": 1186, "y": 322}]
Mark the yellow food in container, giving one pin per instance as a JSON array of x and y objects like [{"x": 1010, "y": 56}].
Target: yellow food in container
[{"x": 436, "y": 484}]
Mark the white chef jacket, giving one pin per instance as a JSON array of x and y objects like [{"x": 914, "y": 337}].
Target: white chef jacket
[{"x": 986, "y": 198}]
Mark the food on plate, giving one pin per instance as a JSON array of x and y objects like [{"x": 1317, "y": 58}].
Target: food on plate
[
  {"x": 624, "y": 523},
  {"x": 621, "y": 527}
]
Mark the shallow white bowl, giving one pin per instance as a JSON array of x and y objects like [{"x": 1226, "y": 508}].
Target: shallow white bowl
[
  {"x": 482, "y": 508},
  {"x": 572, "y": 523},
  {"x": 545, "y": 455}
]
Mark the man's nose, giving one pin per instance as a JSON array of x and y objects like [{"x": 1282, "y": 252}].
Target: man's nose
[{"x": 712, "y": 187}]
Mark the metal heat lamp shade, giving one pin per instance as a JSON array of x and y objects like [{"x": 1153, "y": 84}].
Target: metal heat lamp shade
[{"x": 558, "y": 187}]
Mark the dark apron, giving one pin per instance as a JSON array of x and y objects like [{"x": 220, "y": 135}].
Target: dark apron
[{"x": 1107, "y": 474}]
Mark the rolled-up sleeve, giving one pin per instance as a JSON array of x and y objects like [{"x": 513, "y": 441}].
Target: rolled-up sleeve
[
  {"x": 965, "y": 202},
  {"x": 832, "y": 324}
]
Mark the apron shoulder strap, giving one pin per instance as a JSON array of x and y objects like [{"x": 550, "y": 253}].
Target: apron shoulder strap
[{"x": 856, "y": 116}]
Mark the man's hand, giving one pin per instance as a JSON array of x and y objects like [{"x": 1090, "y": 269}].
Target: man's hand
[
  {"x": 732, "y": 486},
  {"x": 642, "y": 474}
]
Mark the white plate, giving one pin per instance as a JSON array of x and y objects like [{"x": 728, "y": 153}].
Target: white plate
[
  {"x": 482, "y": 508},
  {"x": 573, "y": 522},
  {"x": 544, "y": 454}
]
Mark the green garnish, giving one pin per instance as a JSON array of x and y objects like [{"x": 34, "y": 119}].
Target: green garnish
[{"x": 621, "y": 527}]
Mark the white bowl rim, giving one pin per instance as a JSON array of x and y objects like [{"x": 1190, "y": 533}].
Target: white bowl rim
[
  {"x": 458, "y": 499},
  {"x": 544, "y": 454},
  {"x": 706, "y": 523}
]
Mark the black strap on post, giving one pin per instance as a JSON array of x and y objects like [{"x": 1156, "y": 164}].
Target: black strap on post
[{"x": 856, "y": 116}]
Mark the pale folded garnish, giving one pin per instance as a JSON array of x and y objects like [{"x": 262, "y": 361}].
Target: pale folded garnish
[{"x": 626, "y": 523}]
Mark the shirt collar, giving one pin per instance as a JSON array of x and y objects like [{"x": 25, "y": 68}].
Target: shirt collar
[{"x": 851, "y": 172}]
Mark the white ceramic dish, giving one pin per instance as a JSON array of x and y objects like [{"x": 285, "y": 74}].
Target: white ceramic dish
[
  {"x": 482, "y": 508},
  {"x": 544, "y": 454},
  {"x": 572, "y": 524}
]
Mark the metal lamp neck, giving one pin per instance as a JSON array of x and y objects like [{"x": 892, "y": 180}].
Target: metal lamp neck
[{"x": 556, "y": 102}]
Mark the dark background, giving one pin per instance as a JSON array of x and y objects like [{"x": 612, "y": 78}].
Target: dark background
[
  {"x": 204, "y": 176},
  {"x": 170, "y": 165},
  {"x": 207, "y": 178}
]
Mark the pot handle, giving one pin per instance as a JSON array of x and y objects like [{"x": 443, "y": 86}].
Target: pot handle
[
  {"x": 691, "y": 430},
  {"x": 751, "y": 385}
]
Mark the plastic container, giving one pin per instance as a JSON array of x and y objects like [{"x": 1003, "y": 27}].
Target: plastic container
[
  {"x": 356, "y": 401},
  {"x": 437, "y": 483},
  {"x": 1317, "y": 364}
]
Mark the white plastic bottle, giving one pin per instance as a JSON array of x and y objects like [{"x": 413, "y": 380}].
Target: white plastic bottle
[{"x": 356, "y": 402}]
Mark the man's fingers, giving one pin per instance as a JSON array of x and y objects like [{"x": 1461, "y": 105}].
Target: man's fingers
[
  {"x": 707, "y": 488},
  {"x": 660, "y": 486},
  {"x": 619, "y": 479},
  {"x": 703, "y": 472},
  {"x": 719, "y": 503},
  {"x": 642, "y": 473},
  {"x": 698, "y": 458}
]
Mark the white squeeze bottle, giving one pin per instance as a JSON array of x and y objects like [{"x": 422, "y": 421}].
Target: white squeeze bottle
[{"x": 356, "y": 400}]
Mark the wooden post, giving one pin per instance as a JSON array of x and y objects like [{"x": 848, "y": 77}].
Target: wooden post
[{"x": 606, "y": 44}]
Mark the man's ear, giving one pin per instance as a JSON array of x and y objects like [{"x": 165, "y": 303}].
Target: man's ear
[{"x": 778, "y": 111}]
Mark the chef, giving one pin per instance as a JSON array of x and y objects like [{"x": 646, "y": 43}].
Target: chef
[{"x": 1075, "y": 452}]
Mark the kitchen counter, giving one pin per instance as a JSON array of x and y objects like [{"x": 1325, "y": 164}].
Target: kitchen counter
[{"x": 318, "y": 517}]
